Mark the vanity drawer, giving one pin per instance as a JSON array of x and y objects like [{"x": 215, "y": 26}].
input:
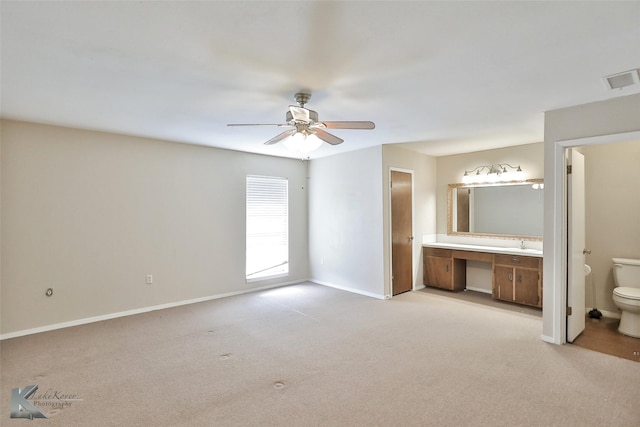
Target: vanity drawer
[
  {"x": 517, "y": 261},
  {"x": 444, "y": 253},
  {"x": 473, "y": 256}
]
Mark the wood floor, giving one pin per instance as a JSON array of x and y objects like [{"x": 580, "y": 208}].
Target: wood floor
[{"x": 602, "y": 335}]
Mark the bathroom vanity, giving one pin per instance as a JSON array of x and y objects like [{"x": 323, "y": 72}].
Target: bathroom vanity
[{"x": 516, "y": 273}]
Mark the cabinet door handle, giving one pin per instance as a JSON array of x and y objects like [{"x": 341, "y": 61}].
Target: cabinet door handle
[
  {"x": 447, "y": 268},
  {"x": 516, "y": 260},
  {"x": 519, "y": 277},
  {"x": 510, "y": 276}
]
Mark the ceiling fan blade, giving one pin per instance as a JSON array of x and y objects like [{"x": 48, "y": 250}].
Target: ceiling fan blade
[
  {"x": 258, "y": 124},
  {"x": 299, "y": 113},
  {"x": 281, "y": 136},
  {"x": 327, "y": 137},
  {"x": 349, "y": 125}
]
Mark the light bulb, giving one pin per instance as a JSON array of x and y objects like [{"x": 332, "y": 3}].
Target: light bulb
[
  {"x": 518, "y": 175},
  {"x": 302, "y": 143}
]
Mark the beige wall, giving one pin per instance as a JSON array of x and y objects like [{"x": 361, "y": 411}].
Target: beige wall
[
  {"x": 451, "y": 169},
  {"x": 345, "y": 221},
  {"x": 90, "y": 214},
  {"x": 612, "y": 173},
  {"x": 424, "y": 204}
]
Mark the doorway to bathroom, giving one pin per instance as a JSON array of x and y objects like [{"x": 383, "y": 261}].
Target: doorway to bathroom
[{"x": 610, "y": 230}]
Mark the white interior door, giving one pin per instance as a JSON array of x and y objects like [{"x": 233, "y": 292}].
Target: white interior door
[{"x": 575, "y": 245}]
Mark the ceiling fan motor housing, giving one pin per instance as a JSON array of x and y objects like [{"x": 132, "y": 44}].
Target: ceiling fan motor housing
[{"x": 313, "y": 116}]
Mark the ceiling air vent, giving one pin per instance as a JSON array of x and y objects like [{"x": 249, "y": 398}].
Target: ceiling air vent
[{"x": 622, "y": 80}]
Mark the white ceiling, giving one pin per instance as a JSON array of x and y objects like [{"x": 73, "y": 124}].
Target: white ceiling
[{"x": 442, "y": 77}]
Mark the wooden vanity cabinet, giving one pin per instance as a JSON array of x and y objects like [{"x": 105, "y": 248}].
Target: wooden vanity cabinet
[
  {"x": 518, "y": 279},
  {"x": 441, "y": 270},
  {"x": 515, "y": 278}
]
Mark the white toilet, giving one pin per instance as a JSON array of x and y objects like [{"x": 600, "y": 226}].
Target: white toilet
[{"x": 626, "y": 294}]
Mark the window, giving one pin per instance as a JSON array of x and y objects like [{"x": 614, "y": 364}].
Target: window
[{"x": 267, "y": 227}]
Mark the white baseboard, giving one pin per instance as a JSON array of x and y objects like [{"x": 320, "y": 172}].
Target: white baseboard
[
  {"x": 137, "y": 311},
  {"x": 348, "y": 289},
  {"x": 605, "y": 313}
]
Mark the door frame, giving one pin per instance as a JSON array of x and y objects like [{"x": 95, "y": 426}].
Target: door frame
[
  {"x": 389, "y": 292},
  {"x": 555, "y": 236}
]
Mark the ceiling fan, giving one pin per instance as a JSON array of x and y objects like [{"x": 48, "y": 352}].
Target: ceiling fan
[{"x": 305, "y": 125}]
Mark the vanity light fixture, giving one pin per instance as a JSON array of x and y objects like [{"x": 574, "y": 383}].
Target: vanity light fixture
[{"x": 494, "y": 173}]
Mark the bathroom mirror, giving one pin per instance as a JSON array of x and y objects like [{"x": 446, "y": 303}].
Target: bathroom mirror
[{"x": 507, "y": 210}]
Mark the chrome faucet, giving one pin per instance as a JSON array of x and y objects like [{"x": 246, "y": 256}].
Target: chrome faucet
[{"x": 522, "y": 245}]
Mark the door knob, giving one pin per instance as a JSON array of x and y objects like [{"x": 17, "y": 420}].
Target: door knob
[
  {"x": 586, "y": 252},
  {"x": 411, "y": 238}
]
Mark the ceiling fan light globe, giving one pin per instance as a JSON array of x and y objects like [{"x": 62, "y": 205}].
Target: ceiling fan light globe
[{"x": 301, "y": 143}]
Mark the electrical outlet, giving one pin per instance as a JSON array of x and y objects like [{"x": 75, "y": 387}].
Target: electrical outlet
[{"x": 149, "y": 279}]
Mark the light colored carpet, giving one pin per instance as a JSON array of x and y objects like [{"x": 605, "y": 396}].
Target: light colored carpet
[{"x": 308, "y": 355}]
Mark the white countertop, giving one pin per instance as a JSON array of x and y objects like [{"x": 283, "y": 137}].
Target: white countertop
[{"x": 491, "y": 249}]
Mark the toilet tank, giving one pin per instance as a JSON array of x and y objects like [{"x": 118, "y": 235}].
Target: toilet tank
[{"x": 626, "y": 272}]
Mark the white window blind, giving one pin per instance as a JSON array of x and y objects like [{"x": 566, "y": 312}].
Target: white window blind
[{"x": 267, "y": 227}]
